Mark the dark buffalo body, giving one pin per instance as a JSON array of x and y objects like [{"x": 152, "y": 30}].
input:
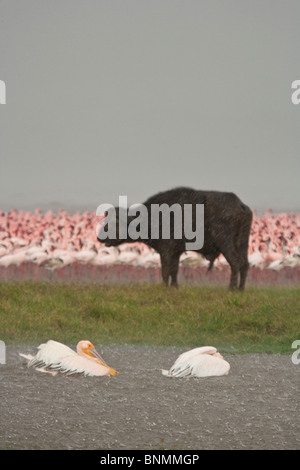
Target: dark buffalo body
[{"x": 227, "y": 223}]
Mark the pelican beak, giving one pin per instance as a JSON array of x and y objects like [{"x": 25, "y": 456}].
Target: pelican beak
[{"x": 94, "y": 353}]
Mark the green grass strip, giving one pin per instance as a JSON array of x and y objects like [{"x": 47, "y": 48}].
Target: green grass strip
[{"x": 257, "y": 320}]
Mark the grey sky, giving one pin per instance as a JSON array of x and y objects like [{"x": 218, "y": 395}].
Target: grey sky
[{"x": 130, "y": 97}]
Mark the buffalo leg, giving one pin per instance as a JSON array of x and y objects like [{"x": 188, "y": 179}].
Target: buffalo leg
[
  {"x": 242, "y": 246},
  {"x": 165, "y": 272},
  {"x": 243, "y": 273},
  {"x": 169, "y": 268},
  {"x": 174, "y": 269},
  {"x": 234, "y": 264},
  {"x": 233, "y": 285}
]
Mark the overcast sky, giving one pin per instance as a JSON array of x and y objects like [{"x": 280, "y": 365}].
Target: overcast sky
[{"x": 131, "y": 97}]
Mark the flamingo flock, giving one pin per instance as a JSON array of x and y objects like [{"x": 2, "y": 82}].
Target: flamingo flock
[{"x": 54, "y": 240}]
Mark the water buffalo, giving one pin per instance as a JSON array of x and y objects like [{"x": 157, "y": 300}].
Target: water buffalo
[{"x": 226, "y": 229}]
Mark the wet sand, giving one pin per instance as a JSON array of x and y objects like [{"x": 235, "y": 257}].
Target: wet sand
[{"x": 256, "y": 406}]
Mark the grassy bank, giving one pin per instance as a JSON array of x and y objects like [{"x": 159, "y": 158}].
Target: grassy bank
[{"x": 258, "y": 320}]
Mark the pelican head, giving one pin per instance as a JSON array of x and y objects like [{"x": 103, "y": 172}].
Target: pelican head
[{"x": 86, "y": 349}]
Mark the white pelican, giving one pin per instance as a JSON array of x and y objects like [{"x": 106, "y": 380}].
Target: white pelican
[
  {"x": 54, "y": 358},
  {"x": 199, "y": 362}
]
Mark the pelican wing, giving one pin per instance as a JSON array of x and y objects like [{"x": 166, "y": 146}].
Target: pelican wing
[
  {"x": 59, "y": 357},
  {"x": 188, "y": 355},
  {"x": 79, "y": 365},
  {"x": 204, "y": 366},
  {"x": 51, "y": 352},
  {"x": 199, "y": 362}
]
